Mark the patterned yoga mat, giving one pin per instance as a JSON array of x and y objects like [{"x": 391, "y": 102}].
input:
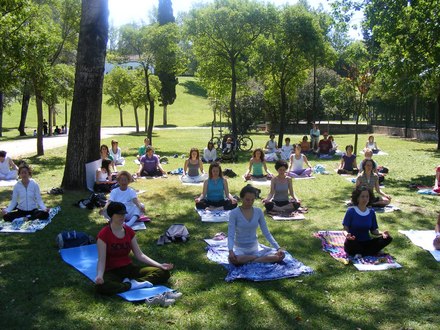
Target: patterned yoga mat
[
  {"x": 19, "y": 226},
  {"x": 333, "y": 243}
]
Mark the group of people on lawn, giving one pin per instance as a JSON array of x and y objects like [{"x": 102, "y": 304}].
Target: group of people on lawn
[{"x": 116, "y": 272}]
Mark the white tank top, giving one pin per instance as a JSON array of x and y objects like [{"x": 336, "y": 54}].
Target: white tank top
[{"x": 298, "y": 163}]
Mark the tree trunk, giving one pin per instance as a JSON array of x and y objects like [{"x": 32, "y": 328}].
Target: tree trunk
[
  {"x": 1, "y": 112},
  {"x": 136, "y": 118},
  {"x": 39, "y": 103},
  {"x": 121, "y": 118},
  {"x": 65, "y": 114},
  {"x": 24, "y": 110},
  {"x": 146, "y": 117},
  {"x": 85, "y": 119},
  {"x": 151, "y": 104},
  {"x": 358, "y": 114},
  {"x": 50, "y": 116},
  {"x": 233, "y": 96},
  {"x": 282, "y": 114},
  {"x": 165, "y": 122},
  {"x": 53, "y": 110}
]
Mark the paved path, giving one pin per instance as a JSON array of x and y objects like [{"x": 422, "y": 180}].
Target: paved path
[{"x": 19, "y": 148}]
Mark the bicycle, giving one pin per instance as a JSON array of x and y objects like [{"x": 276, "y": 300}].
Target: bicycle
[{"x": 243, "y": 142}]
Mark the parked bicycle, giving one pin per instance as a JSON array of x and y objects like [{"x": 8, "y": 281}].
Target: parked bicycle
[{"x": 242, "y": 142}]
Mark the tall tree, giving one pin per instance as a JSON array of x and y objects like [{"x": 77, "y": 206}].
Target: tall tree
[
  {"x": 285, "y": 55},
  {"x": 85, "y": 121},
  {"x": 117, "y": 85},
  {"x": 166, "y": 59},
  {"x": 223, "y": 34}
]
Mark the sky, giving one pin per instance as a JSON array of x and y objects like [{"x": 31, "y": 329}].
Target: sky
[{"x": 128, "y": 11}]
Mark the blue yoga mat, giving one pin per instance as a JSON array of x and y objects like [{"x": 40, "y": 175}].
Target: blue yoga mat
[{"x": 85, "y": 258}]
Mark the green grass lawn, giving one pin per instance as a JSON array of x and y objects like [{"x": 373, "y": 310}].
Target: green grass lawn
[{"x": 39, "y": 291}]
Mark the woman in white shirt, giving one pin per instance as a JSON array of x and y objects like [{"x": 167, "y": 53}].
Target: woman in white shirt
[{"x": 210, "y": 153}]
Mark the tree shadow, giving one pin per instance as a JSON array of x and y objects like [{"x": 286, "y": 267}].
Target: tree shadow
[{"x": 193, "y": 88}]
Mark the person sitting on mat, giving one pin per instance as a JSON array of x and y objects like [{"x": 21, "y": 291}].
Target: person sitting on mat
[
  {"x": 126, "y": 195},
  {"x": 210, "y": 153},
  {"x": 115, "y": 271},
  {"x": 271, "y": 149},
  {"x": 325, "y": 145},
  {"x": 192, "y": 167},
  {"x": 286, "y": 149},
  {"x": 143, "y": 149},
  {"x": 297, "y": 161},
  {"x": 372, "y": 145},
  {"x": 379, "y": 170},
  {"x": 348, "y": 162},
  {"x": 359, "y": 221},
  {"x": 105, "y": 155},
  {"x": 305, "y": 145},
  {"x": 8, "y": 169},
  {"x": 26, "y": 198},
  {"x": 280, "y": 189},
  {"x": 215, "y": 194},
  {"x": 103, "y": 179},
  {"x": 116, "y": 153},
  {"x": 150, "y": 165},
  {"x": 256, "y": 166},
  {"x": 242, "y": 233},
  {"x": 370, "y": 180},
  {"x": 436, "y": 241}
]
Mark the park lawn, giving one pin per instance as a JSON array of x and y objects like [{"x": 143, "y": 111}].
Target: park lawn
[
  {"x": 191, "y": 108},
  {"x": 40, "y": 291}
]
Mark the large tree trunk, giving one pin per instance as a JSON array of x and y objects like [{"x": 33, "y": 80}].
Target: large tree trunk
[
  {"x": 136, "y": 118},
  {"x": 151, "y": 104},
  {"x": 1, "y": 112},
  {"x": 146, "y": 117},
  {"x": 24, "y": 110},
  {"x": 65, "y": 114},
  {"x": 85, "y": 119},
  {"x": 50, "y": 110},
  {"x": 165, "y": 122},
  {"x": 39, "y": 103}
]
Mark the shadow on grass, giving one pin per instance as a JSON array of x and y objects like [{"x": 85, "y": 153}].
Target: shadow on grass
[{"x": 193, "y": 88}]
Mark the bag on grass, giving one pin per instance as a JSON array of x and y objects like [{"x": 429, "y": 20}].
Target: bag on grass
[
  {"x": 73, "y": 238},
  {"x": 177, "y": 232}
]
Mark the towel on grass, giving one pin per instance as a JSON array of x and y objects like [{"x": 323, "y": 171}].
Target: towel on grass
[
  {"x": 427, "y": 191},
  {"x": 423, "y": 239},
  {"x": 258, "y": 181},
  {"x": 213, "y": 216},
  {"x": 333, "y": 243},
  {"x": 302, "y": 177},
  {"x": 197, "y": 182},
  {"x": 288, "y": 217},
  {"x": 379, "y": 153},
  {"x": 85, "y": 258},
  {"x": 256, "y": 271},
  {"x": 26, "y": 227},
  {"x": 8, "y": 183}
]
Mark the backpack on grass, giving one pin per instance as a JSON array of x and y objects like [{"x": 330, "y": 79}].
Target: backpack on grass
[
  {"x": 73, "y": 238},
  {"x": 177, "y": 232}
]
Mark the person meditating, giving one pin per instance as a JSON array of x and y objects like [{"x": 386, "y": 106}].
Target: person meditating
[
  {"x": 297, "y": 161},
  {"x": 370, "y": 180},
  {"x": 286, "y": 149},
  {"x": 359, "y": 221},
  {"x": 143, "y": 149},
  {"x": 256, "y": 166},
  {"x": 210, "y": 153},
  {"x": 325, "y": 146},
  {"x": 126, "y": 195},
  {"x": 215, "y": 194},
  {"x": 103, "y": 178},
  {"x": 242, "y": 233},
  {"x": 372, "y": 145},
  {"x": 116, "y": 153},
  {"x": 150, "y": 165},
  {"x": 8, "y": 169},
  {"x": 281, "y": 188},
  {"x": 348, "y": 162},
  {"x": 271, "y": 149},
  {"x": 115, "y": 271},
  {"x": 192, "y": 167},
  {"x": 26, "y": 198}
]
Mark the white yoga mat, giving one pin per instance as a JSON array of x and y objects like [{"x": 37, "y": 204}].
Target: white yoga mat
[{"x": 423, "y": 239}]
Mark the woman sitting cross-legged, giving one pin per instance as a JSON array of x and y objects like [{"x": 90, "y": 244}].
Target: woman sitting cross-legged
[
  {"x": 103, "y": 180},
  {"x": 297, "y": 161},
  {"x": 256, "y": 166},
  {"x": 348, "y": 162},
  {"x": 210, "y": 153},
  {"x": 192, "y": 167},
  {"x": 359, "y": 221},
  {"x": 281, "y": 188},
  {"x": 215, "y": 193},
  {"x": 150, "y": 165},
  {"x": 116, "y": 153},
  {"x": 126, "y": 195},
  {"x": 26, "y": 198},
  {"x": 242, "y": 233},
  {"x": 115, "y": 271},
  {"x": 370, "y": 180}
]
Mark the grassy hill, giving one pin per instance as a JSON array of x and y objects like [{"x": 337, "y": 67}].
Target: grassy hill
[{"x": 191, "y": 108}]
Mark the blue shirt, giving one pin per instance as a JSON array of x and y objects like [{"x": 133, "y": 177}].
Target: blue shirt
[
  {"x": 216, "y": 190},
  {"x": 360, "y": 223}
]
